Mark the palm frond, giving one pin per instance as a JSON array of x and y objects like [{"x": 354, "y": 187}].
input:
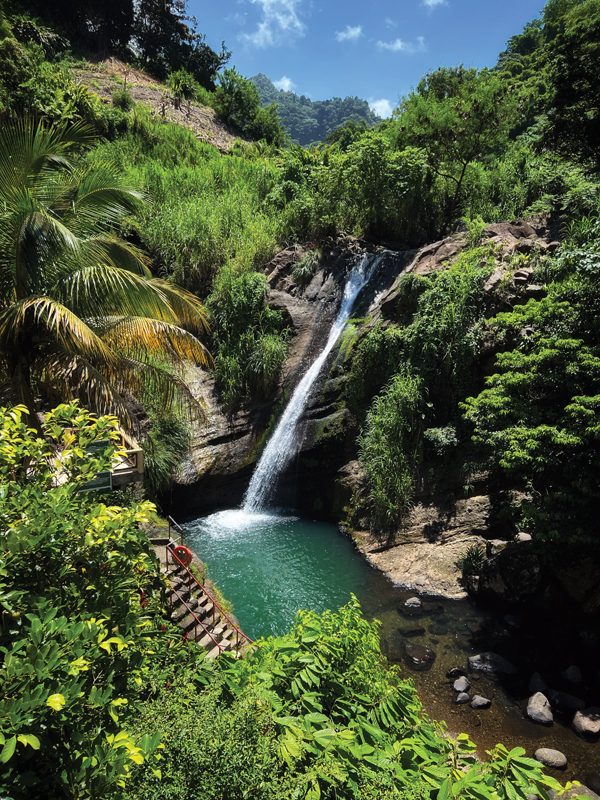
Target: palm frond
[
  {"x": 187, "y": 307},
  {"x": 143, "y": 338},
  {"x": 44, "y": 317}
]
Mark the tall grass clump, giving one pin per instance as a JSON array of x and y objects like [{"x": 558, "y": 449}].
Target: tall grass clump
[{"x": 388, "y": 448}]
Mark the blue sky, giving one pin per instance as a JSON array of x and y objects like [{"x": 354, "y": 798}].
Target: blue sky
[{"x": 377, "y": 51}]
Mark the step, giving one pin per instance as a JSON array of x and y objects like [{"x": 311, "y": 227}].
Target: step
[
  {"x": 206, "y": 642},
  {"x": 214, "y": 653},
  {"x": 189, "y": 623}
]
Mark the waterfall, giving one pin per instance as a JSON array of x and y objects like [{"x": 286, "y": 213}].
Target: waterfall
[{"x": 285, "y": 442}]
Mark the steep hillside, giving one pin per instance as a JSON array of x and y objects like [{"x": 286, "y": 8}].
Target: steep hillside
[{"x": 107, "y": 76}]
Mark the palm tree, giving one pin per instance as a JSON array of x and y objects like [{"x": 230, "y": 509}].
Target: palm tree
[{"x": 80, "y": 312}]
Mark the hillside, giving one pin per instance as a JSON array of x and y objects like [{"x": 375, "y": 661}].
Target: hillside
[
  {"x": 308, "y": 121},
  {"x": 106, "y": 76}
]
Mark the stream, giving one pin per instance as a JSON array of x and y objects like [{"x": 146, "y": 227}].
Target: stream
[{"x": 269, "y": 564}]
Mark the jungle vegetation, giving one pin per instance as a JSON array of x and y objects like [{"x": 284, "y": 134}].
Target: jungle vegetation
[{"x": 99, "y": 695}]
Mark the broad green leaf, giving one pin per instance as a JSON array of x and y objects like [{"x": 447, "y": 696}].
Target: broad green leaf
[
  {"x": 8, "y": 750},
  {"x": 56, "y": 701}
]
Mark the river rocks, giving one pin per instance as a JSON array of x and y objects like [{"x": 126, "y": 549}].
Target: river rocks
[
  {"x": 491, "y": 664},
  {"x": 461, "y": 684},
  {"x": 418, "y": 657},
  {"x": 551, "y": 758},
  {"x": 572, "y": 674},
  {"x": 539, "y": 710},
  {"x": 566, "y": 702},
  {"x": 587, "y": 722},
  {"x": 479, "y": 702},
  {"x": 462, "y": 698},
  {"x": 455, "y": 672},
  {"x": 412, "y": 630},
  {"x": 538, "y": 684},
  {"x": 413, "y": 602}
]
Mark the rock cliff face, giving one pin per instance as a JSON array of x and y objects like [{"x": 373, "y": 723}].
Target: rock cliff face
[
  {"x": 225, "y": 448},
  {"x": 325, "y": 473}
]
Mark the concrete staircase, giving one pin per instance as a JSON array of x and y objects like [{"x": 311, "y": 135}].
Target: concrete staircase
[{"x": 199, "y": 616}]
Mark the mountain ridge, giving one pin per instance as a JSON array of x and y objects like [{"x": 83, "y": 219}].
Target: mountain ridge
[{"x": 311, "y": 121}]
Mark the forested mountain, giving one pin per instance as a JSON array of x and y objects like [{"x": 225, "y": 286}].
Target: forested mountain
[{"x": 308, "y": 121}]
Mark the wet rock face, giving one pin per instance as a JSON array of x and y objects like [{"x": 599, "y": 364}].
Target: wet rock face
[{"x": 418, "y": 657}]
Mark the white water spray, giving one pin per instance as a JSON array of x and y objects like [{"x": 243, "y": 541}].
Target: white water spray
[{"x": 284, "y": 442}]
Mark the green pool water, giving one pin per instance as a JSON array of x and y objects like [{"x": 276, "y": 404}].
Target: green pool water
[{"x": 269, "y": 565}]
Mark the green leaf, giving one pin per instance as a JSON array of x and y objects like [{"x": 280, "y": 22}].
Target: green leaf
[
  {"x": 30, "y": 739},
  {"x": 8, "y": 750},
  {"x": 56, "y": 701}
]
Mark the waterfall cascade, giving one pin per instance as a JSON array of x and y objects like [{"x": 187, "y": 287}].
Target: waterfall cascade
[{"x": 285, "y": 441}]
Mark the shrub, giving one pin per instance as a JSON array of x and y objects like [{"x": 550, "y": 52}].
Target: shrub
[{"x": 123, "y": 100}]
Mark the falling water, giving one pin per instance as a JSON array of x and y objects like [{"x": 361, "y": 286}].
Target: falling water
[{"x": 284, "y": 442}]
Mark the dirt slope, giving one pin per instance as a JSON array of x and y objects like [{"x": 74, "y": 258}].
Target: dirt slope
[{"x": 105, "y": 76}]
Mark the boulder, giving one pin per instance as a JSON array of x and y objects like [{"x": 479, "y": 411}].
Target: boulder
[
  {"x": 587, "y": 722},
  {"x": 539, "y": 710},
  {"x": 461, "y": 684},
  {"x": 522, "y": 537},
  {"x": 462, "y": 698},
  {"x": 455, "y": 672},
  {"x": 572, "y": 674},
  {"x": 412, "y": 630},
  {"x": 538, "y": 684},
  {"x": 593, "y": 781},
  {"x": 413, "y": 602},
  {"x": 551, "y": 758},
  {"x": 494, "y": 280},
  {"x": 491, "y": 664},
  {"x": 418, "y": 657},
  {"x": 480, "y": 702},
  {"x": 566, "y": 702},
  {"x": 511, "y": 575}
]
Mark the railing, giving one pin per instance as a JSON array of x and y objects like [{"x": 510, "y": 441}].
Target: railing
[
  {"x": 197, "y": 620},
  {"x": 240, "y": 637},
  {"x": 178, "y": 527}
]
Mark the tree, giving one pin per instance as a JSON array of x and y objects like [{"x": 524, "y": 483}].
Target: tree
[
  {"x": 165, "y": 42},
  {"x": 80, "y": 612},
  {"x": 238, "y": 102},
  {"x": 458, "y": 115},
  {"x": 575, "y": 73},
  {"x": 81, "y": 314}
]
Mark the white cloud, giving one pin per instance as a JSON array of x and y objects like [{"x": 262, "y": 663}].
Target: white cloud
[
  {"x": 390, "y": 23},
  {"x": 350, "y": 34},
  {"x": 285, "y": 83},
  {"x": 280, "y": 24},
  {"x": 431, "y": 4},
  {"x": 398, "y": 46},
  {"x": 383, "y": 108}
]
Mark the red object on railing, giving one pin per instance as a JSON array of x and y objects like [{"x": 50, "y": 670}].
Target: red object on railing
[
  {"x": 183, "y": 553},
  {"x": 192, "y": 579}
]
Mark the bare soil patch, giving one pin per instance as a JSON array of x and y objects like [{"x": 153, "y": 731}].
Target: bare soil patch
[{"x": 105, "y": 75}]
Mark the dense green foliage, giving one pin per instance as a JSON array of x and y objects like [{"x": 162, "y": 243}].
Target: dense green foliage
[
  {"x": 158, "y": 35},
  {"x": 432, "y": 359},
  {"x": 82, "y": 314},
  {"x": 250, "y": 344},
  {"x": 536, "y": 420},
  {"x": 316, "y": 714},
  {"x": 310, "y": 122},
  {"x": 80, "y": 597}
]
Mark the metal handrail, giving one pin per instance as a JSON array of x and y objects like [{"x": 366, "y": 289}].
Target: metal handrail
[
  {"x": 192, "y": 577},
  {"x": 197, "y": 621}
]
